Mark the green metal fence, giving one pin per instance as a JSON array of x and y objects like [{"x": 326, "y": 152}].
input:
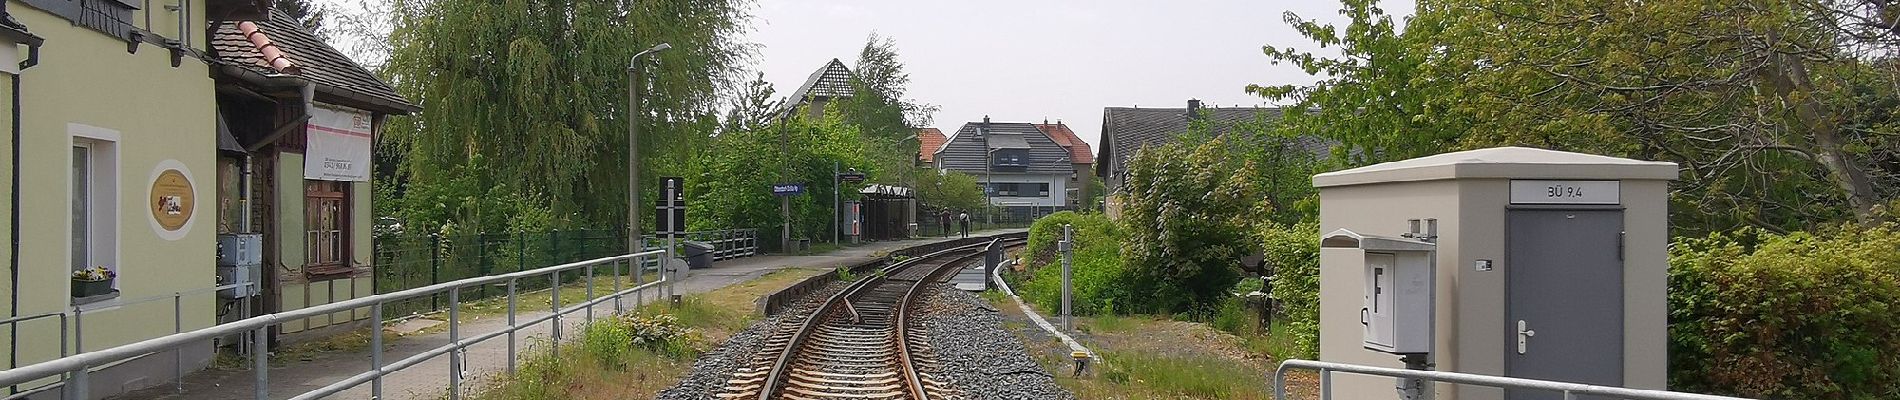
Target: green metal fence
[{"x": 410, "y": 261}]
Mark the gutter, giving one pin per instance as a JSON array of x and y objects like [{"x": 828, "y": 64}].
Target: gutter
[{"x": 13, "y": 254}]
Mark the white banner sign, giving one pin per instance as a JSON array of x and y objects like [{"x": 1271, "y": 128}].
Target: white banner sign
[{"x": 338, "y": 145}]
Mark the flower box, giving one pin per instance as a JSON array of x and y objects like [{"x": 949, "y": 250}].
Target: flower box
[
  {"x": 93, "y": 281},
  {"x": 91, "y": 288}
]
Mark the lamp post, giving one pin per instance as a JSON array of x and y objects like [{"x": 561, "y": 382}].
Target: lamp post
[{"x": 634, "y": 83}]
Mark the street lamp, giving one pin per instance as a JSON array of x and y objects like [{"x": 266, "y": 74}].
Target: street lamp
[{"x": 634, "y": 82}]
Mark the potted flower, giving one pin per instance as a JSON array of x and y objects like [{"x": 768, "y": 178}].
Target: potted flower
[{"x": 93, "y": 281}]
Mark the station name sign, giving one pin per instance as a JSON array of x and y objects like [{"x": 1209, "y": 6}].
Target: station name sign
[
  {"x": 788, "y": 189},
  {"x": 1566, "y": 192}
]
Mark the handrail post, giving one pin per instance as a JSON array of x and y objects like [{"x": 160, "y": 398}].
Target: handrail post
[
  {"x": 618, "y": 308},
  {"x": 260, "y": 361},
  {"x": 455, "y": 336},
  {"x": 587, "y": 274},
  {"x": 376, "y": 350},
  {"x": 554, "y": 305},
  {"x": 81, "y": 383},
  {"x": 511, "y": 326}
]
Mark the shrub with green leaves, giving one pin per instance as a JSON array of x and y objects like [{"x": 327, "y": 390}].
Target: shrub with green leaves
[
  {"x": 1097, "y": 273},
  {"x": 1801, "y": 315},
  {"x": 1293, "y": 253},
  {"x": 1189, "y": 210},
  {"x": 1088, "y": 229}
]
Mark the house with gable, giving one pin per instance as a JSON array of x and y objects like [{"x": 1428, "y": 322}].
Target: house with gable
[
  {"x": 1022, "y": 170},
  {"x": 298, "y": 121}
]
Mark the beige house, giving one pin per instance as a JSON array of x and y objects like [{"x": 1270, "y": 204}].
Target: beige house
[
  {"x": 1507, "y": 261},
  {"x": 113, "y": 166}
]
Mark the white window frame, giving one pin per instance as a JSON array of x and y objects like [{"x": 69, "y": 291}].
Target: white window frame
[{"x": 102, "y": 146}]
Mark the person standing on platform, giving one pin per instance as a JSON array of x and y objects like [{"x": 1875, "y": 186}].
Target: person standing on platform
[
  {"x": 943, "y": 220},
  {"x": 964, "y": 219}
]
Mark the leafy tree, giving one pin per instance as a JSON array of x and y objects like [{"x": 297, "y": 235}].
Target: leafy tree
[
  {"x": 1773, "y": 107},
  {"x": 1189, "y": 210},
  {"x": 729, "y": 190},
  {"x": 538, "y": 88},
  {"x": 950, "y": 190}
]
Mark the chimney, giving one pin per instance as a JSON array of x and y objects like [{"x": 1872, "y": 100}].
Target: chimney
[{"x": 1194, "y": 109}]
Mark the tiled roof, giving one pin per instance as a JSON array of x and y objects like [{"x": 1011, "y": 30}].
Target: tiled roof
[
  {"x": 829, "y": 81},
  {"x": 329, "y": 69},
  {"x": 1079, "y": 150},
  {"x": 928, "y": 141},
  {"x": 1126, "y": 130}
]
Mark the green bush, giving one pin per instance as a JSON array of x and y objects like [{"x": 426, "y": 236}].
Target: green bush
[
  {"x": 1096, "y": 275},
  {"x": 1189, "y": 210},
  {"x": 1096, "y": 270},
  {"x": 1801, "y": 315},
  {"x": 1293, "y": 253},
  {"x": 1089, "y": 230}
]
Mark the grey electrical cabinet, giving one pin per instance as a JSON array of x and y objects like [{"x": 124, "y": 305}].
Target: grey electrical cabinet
[
  {"x": 240, "y": 249},
  {"x": 240, "y": 257},
  {"x": 1397, "y": 274}
]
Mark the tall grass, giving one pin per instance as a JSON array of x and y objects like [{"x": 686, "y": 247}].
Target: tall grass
[{"x": 1202, "y": 377}]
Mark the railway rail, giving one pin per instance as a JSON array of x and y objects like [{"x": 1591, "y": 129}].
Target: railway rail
[{"x": 860, "y": 343}]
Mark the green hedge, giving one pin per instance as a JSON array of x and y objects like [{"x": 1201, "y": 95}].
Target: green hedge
[
  {"x": 1810, "y": 316},
  {"x": 1294, "y": 254},
  {"x": 1097, "y": 272}
]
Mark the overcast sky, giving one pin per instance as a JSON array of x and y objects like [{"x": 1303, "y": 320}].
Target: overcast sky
[{"x": 1024, "y": 61}]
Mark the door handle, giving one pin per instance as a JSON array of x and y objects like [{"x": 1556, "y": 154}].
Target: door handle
[
  {"x": 1524, "y": 334},
  {"x": 1362, "y": 317}
]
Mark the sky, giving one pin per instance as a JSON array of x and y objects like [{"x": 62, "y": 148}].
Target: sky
[{"x": 1027, "y": 61}]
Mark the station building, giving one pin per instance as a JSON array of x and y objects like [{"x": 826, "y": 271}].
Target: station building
[{"x": 132, "y": 127}]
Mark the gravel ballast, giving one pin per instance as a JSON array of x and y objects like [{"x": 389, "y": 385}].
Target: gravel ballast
[
  {"x": 979, "y": 356},
  {"x": 976, "y": 354},
  {"x": 712, "y": 369}
]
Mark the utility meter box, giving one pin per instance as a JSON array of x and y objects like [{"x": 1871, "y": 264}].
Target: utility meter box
[
  {"x": 1398, "y": 282},
  {"x": 1513, "y": 262},
  {"x": 240, "y": 249}
]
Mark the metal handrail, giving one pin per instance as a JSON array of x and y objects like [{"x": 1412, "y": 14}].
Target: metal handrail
[
  {"x": 1569, "y": 390},
  {"x": 79, "y": 364}
]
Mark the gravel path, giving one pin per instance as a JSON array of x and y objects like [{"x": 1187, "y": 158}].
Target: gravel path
[
  {"x": 712, "y": 369},
  {"x": 979, "y": 356}
]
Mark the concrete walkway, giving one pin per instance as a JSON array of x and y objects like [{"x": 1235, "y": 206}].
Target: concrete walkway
[{"x": 487, "y": 359}]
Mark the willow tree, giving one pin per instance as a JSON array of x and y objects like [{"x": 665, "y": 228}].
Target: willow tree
[{"x": 527, "y": 99}]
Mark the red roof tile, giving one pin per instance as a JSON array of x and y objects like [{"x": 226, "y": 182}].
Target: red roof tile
[
  {"x": 1079, "y": 151},
  {"x": 928, "y": 141}
]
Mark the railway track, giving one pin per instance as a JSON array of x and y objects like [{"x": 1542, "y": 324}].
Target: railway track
[{"x": 859, "y": 344}]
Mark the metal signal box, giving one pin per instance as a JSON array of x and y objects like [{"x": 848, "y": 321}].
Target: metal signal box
[{"x": 1398, "y": 282}]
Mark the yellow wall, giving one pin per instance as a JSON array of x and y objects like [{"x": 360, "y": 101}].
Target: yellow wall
[{"x": 160, "y": 113}]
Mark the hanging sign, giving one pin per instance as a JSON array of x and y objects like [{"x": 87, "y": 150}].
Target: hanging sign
[
  {"x": 1566, "y": 192},
  {"x": 338, "y": 144}
]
